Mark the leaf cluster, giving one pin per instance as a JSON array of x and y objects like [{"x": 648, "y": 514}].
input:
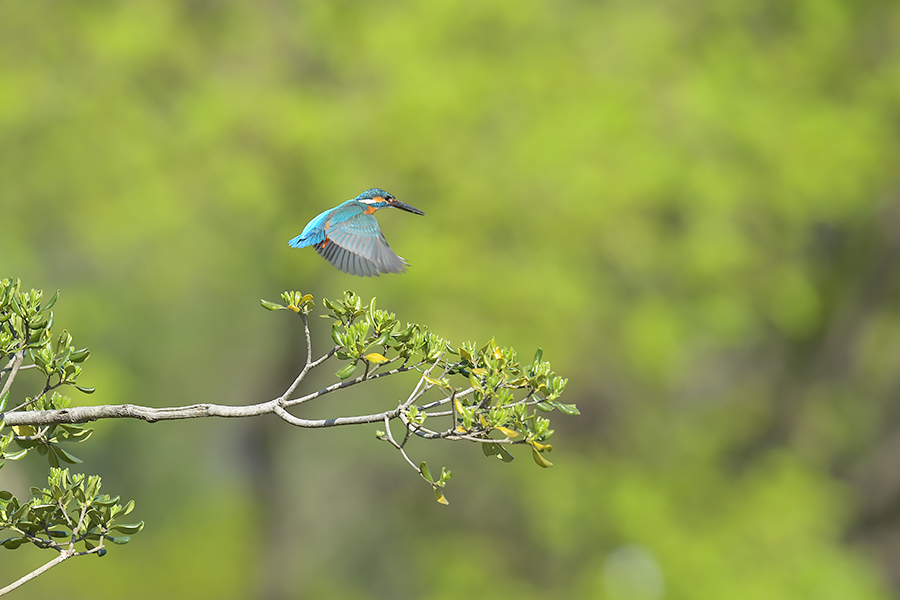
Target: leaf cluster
[
  {"x": 359, "y": 330},
  {"x": 71, "y": 512},
  {"x": 488, "y": 379},
  {"x": 487, "y": 395},
  {"x": 71, "y": 508},
  {"x": 26, "y": 342},
  {"x": 25, "y": 324}
]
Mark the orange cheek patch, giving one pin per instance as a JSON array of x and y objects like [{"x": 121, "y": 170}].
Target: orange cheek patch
[{"x": 370, "y": 210}]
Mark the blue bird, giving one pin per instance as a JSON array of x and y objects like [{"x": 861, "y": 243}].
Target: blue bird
[{"x": 348, "y": 235}]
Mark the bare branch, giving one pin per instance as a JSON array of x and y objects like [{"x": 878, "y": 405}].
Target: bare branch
[
  {"x": 37, "y": 572},
  {"x": 442, "y": 401},
  {"x": 16, "y": 364},
  {"x": 310, "y": 365},
  {"x": 390, "y": 438},
  {"x": 84, "y": 414},
  {"x": 345, "y": 384},
  {"x": 335, "y": 421}
]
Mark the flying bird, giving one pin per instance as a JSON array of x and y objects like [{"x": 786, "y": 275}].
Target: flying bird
[{"x": 348, "y": 235}]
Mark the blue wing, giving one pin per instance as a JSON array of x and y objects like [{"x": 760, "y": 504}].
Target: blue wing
[
  {"x": 314, "y": 232},
  {"x": 351, "y": 240},
  {"x": 357, "y": 246}
]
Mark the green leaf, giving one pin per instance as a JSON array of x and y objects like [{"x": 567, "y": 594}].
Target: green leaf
[
  {"x": 371, "y": 311},
  {"x": 5, "y": 495},
  {"x": 440, "y": 497},
  {"x": 464, "y": 354},
  {"x": 129, "y": 506},
  {"x": 567, "y": 409},
  {"x": 12, "y": 543},
  {"x": 503, "y": 454},
  {"x": 79, "y": 356},
  {"x": 21, "y": 513},
  {"x": 426, "y": 471},
  {"x": 346, "y": 371},
  {"x": 52, "y": 301},
  {"x": 120, "y": 540},
  {"x": 86, "y": 390},
  {"x": 445, "y": 475},
  {"x": 16, "y": 307},
  {"x": 78, "y": 433},
  {"x": 498, "y": 451},
  {"x": 106, "y": 501},
  {"x": 129, "y": 529},
  {"x": 67, "y": 456},
  {"x": 39, "y": 321},
  {"x": 475, "y": 381},
  {"x": 271, "y": 305},
  {"x": 16, "y": 455}
]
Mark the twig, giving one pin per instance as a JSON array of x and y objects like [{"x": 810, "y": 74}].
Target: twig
[
  {"x": 344, "y": 384},
  {"x": 393, "y": 442},
  {"x": 37, "y": 572},
  {"x": 335, "y": 421},
  {"x": 310, "y": 365},
  {"x": 16, "y": 364}
]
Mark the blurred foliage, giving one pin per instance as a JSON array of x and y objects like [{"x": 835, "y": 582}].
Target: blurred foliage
[{"x": 691, "y": 205}]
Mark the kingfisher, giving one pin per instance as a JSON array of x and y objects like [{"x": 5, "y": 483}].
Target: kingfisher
[{"x": 349, "y": 237}]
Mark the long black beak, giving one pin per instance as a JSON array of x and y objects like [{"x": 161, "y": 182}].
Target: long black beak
[{"x": 402, "y": 206}]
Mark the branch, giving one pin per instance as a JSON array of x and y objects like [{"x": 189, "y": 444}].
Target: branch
[
  {"x": 345, "y": 384},
  {"x": 489, "y": 405},
  {"x": 336, "y": 421},
  {"x": 13, "y": 367},
  {"x": 63, "y": 555},
  {"x": 84, "y": 414}
]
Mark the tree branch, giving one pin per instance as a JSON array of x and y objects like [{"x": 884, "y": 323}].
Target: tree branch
[
  {"x": 37, "y": 572},
  {"x": 84, "y": 414},
  {"x": 13, "y": 367}
]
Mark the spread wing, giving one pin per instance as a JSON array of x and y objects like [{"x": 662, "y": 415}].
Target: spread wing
[{"x": 356, "y": 245}]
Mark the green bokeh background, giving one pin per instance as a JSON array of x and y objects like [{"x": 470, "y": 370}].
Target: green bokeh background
[{"x": 692, "y": 207}]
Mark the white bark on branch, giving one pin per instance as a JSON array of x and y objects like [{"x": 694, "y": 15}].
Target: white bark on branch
[
  {"x": 37, "y": 572},
  {"x": 84, "y": 414}
]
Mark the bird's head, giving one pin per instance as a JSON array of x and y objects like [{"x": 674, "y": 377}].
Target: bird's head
[{"x": 377, "y": 198}]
